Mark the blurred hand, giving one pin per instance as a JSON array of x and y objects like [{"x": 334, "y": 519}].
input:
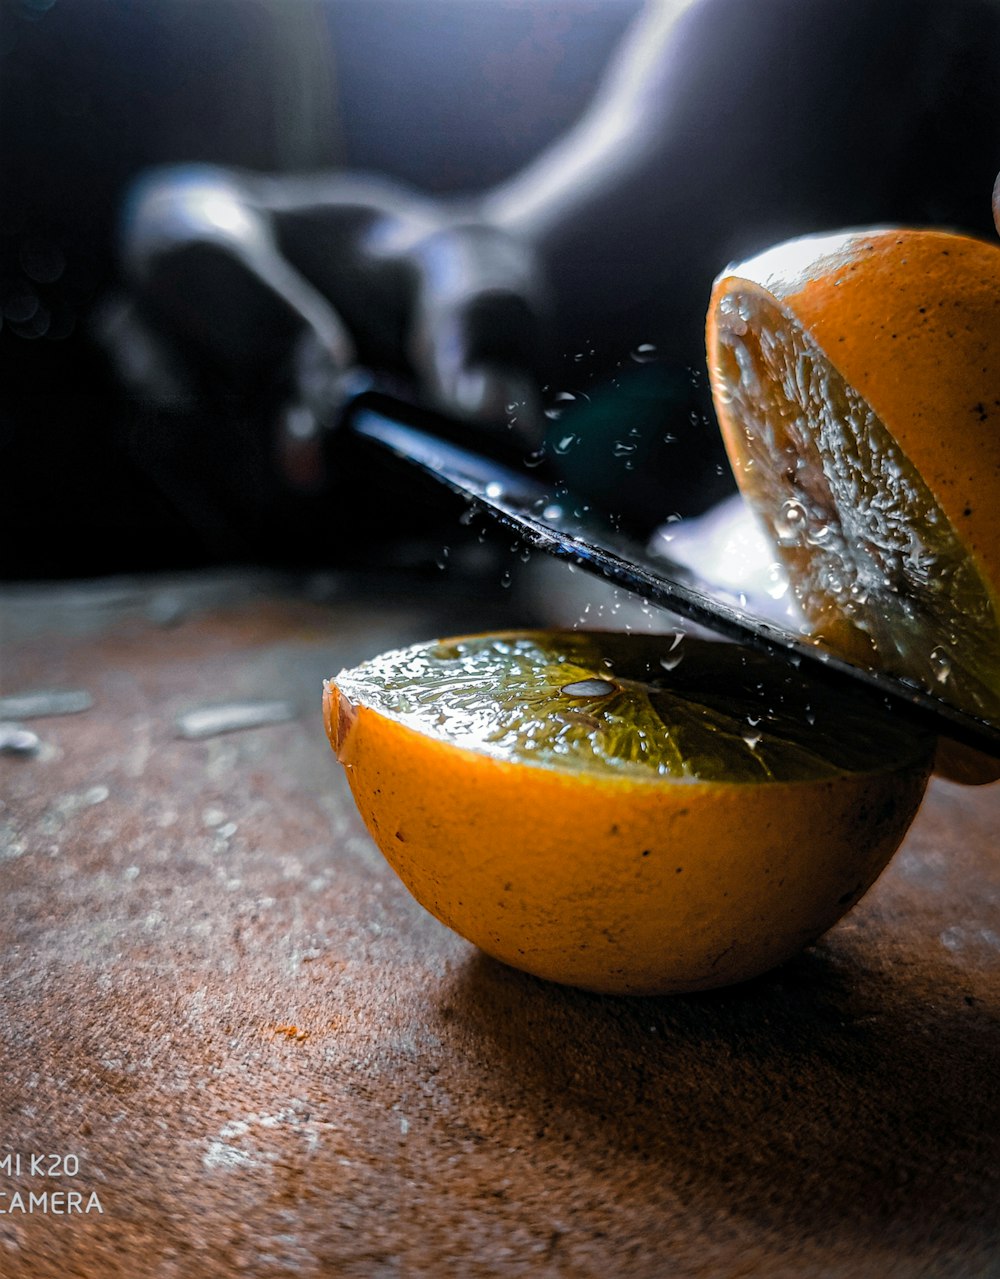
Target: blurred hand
[{"x": 285, "y": 292}]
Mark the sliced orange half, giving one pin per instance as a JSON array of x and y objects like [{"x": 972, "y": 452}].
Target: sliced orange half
[
  {"x": 614, "y": 812},
  {"x": 856, "y": 378}
]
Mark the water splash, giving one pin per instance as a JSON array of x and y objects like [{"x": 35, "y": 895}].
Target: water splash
[{"x": 560, "y": 403}]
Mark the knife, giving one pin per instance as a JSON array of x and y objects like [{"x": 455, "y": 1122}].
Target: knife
[{"x": 544, "y": 516}]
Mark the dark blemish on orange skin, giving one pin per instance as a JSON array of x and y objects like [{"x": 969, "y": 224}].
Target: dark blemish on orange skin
[{"x": 347, "y": 713}]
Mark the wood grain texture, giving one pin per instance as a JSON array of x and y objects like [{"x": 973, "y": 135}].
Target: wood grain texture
[{"x": 270, "y": 1061}]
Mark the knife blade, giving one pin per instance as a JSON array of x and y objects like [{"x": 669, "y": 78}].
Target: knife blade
[{"x": 544, "y": 516}]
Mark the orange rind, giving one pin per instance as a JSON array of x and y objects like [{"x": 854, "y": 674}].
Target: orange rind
[{"x": 578, "y": 811}]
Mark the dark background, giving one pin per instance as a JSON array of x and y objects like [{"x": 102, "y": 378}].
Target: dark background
[{"x": 449, "y": 95}]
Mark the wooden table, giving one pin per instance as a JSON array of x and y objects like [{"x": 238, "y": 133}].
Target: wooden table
[{"x": 229, "y": 1022}]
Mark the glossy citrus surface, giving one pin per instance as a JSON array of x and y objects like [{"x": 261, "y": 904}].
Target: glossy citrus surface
[
  {"x": 623, "y": 813},
  {"x": 857, "y": 383}
]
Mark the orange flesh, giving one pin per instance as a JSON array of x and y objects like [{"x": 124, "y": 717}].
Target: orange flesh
[
  {"x": 857, "y": 384},
  {"x": 875, "y": 564}
]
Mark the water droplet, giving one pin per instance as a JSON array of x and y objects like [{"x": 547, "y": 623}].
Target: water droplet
[
  {"x": 777, "y": 582},
  {"x": 940, "y": 660},
  {"x": 535, "y": 459},
  {"x": 818, "y": 536},
  {"x": 552, "y": 512},
  {"x": 623, "y": 449},
  {"x": 505, "y": 578},
  {"x": 559, "y": 402},
  {"x": 790, "y": 521},
  {"x": 644, "y": 353},
  {"x": 442, "y": 559},
  {"x": 589, "y": 688},
  {"x": 566, "y": 443}
]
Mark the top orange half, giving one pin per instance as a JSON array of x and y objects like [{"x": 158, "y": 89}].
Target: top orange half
[{"x": 857, "y": 382}]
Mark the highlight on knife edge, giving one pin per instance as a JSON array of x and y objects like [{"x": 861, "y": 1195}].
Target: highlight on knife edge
[{"x": 545, "y": 517}]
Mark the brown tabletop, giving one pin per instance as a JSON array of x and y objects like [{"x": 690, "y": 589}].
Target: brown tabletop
[{"x": 229, "y": 1031}]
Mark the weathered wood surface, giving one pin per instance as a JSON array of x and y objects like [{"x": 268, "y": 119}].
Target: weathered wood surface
[{"x": 270, "y": 1061}]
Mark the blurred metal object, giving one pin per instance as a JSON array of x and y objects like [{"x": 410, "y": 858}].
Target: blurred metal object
[
  {"x": 15, "y": 739},
  {"x": 232, "y": 717},
  {"x": 43, "y": 702}
]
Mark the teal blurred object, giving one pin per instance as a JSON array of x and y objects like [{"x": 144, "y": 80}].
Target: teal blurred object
[{"x": 644, "y": 445}]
